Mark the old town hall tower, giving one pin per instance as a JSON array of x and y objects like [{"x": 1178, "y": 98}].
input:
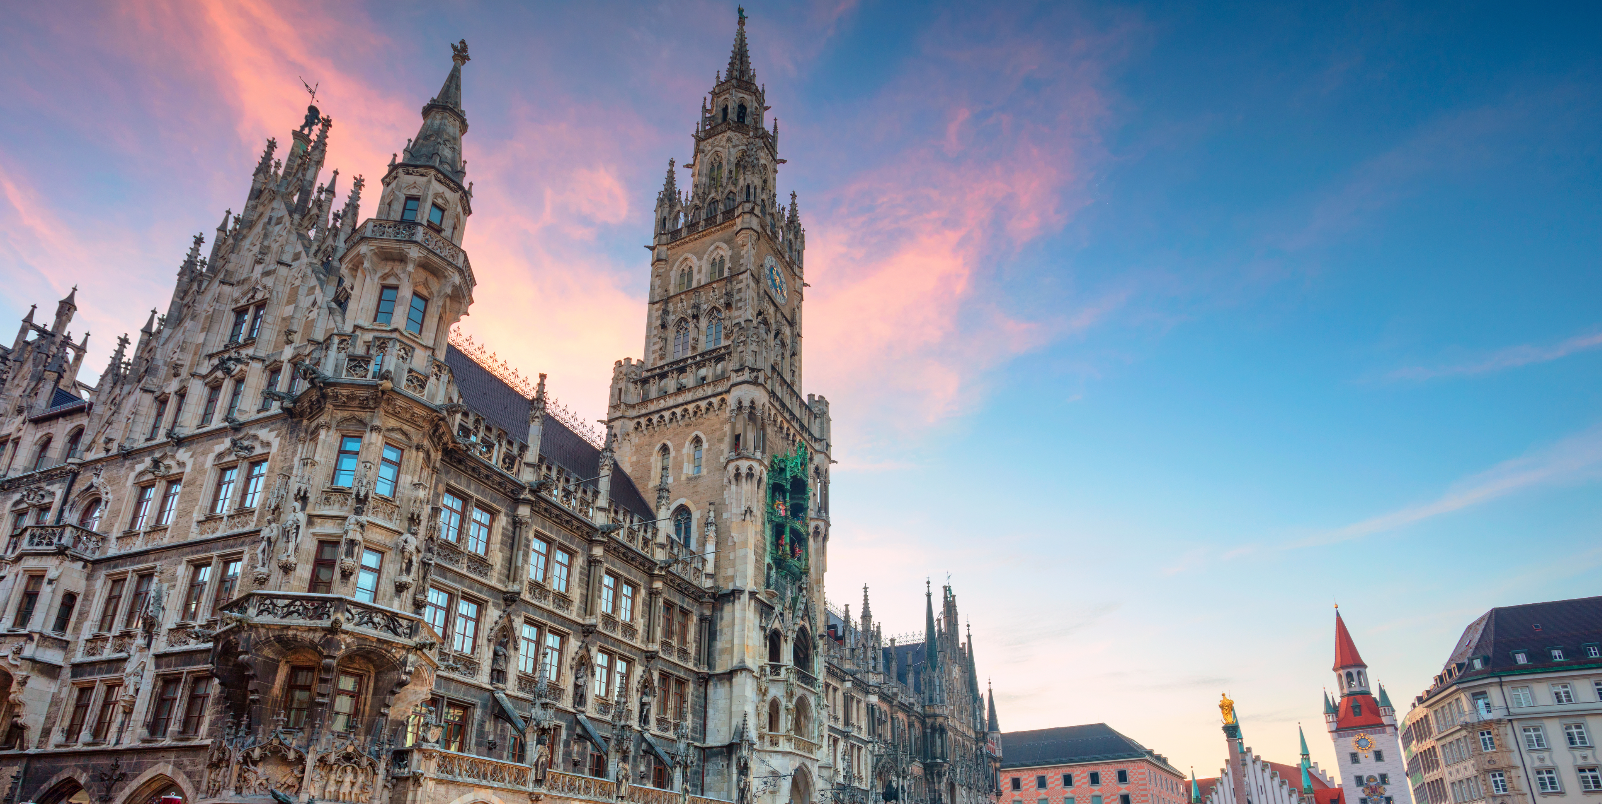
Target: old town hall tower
[{"x": 712, "y": 423}]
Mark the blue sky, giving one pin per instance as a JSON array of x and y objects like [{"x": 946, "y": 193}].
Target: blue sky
[{"x": 1159, "y": 328}]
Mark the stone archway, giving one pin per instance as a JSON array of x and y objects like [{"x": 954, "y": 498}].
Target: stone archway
[
  {"x": 801, "y": 786},
  {"x": 64, "y": 791}
]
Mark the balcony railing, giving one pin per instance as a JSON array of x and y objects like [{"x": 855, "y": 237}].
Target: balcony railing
[
  {"x": 437, "y": 763},
  {"x": 61, "y": 538},
  {"x": 411, "y": 232},
  {"x": 292, "y": 608}
]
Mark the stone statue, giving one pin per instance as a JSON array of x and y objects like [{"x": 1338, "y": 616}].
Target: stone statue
[
  {"x": 408, "y": 547},
  {"x": 542, "y": 758},
  {"x": 498, "y": 660}
]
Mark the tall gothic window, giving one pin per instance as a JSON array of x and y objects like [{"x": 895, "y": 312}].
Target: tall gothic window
[
  {"x": 740, "y": 113},
  {"x": 724, "y": 113},
  {"x": 683, "y": 281},
  {"x": 42, "y": 457},
  {"x": 682, "y": 339},
  {"x": 696, "y": 455},
  {"x": 729, "y": 200},
  {"x": 715, "y": 268},
  {"x": 682, "y": 525},
  {"x": 715, "y": 330}
]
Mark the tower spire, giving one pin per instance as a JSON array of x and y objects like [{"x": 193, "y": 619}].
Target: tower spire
[
  {"x": 439, "y": 140},
  {"x": 740, "y": 67},
  {"x": 1347, "y": 652},
  {"x": 1303, "y": 749}
]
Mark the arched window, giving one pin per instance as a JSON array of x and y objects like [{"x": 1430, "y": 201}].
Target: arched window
[
  {"x": 1350, "y": 678},
  {"x": 724, "y": 113},
  {"x": 802, "y": 724},
  {"x": 74, "y": 440},
  {"x": 740, "y": 113},
  {"x": 682, "y": 282},
  {"x": 89, "y": 518},
  {"x": 774, "y": 715},
  {"x": 712, "y": 208},
  {"x": 715, "y": 268},
  {"x": 800, "y": 655},
  {"x": 748, "y": 193},
  {"x": 682, "y": 339},
  {"x": 41, "y": 459},
  {"x": 696, "y": 455},
  {"x": 715, "y": 330},
  {"x": 729, "y": 200},
  {"x": 682, "y": 525},
  {"x": 774, "y": 647}
]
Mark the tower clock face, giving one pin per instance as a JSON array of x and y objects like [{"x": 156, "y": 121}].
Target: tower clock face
[
  {"x": 1363, "y": 742},
  {"x": 776, "y": 278}
]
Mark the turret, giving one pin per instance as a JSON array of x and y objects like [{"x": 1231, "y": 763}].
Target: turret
[
  {"x": 1349, "y": 667},
  {"x": 64, "y": 312}
]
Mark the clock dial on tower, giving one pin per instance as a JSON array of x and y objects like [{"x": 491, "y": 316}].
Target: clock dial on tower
[{"x": 776, "y": 277}]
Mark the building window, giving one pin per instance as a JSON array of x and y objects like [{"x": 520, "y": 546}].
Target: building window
[
  {"x": 208, "y": 410},
  {"x": 1592, "y": 651},
  {"x": 715, "y": 330},
  {"x": 1481, "y": 704},
  {"x": 1359, "y": 781},
  {"x": 682, "y": 525},
  {"x": 142, "y": 499},
  {"x": 156, "y": 421},
  {"x": 609, "y": 592},
  {"x": 199, "y": 576},
  {"x": 1520, "y": 696},
  {"x": 1097, "y": 799},
  {"x": 682, "y": 338},
  {"x": 1547, "y": 780},
  {"x": 561, "y": 562},
  {"x": 82, "y": 698},
  {"x": 1124, "y": 798},
  {"x": 30, "y": 600},
  {"x": 1041, "y": 782},
  {"x": 367, "y": 578},
  {"x": 415, "y": 312},
  {"x": 271, "y": 385},
  {"x": 551, "y": 658},
  {"x": 1122, "y": 776},
  {"x": 345, "y": 461},
  {"x": 224, "y": 493},
  {"x": 195, "y": 707},
  {"x": 69, "y": 601},
  {"x": 437, "y": 215},
  {"x": 386, "y": 311},
  {"x": 255, "y": 473},
  {"x": 236, "y": 333},
  {"x": 467, "y": 626},
  {"x": 1556, "y": 654},
  {"x": 328, "y": 555},
  {"x": 89, "y": 519},
  {"x": 603, "y": 675},
  {"x": 169, "y": 504},
  {"x": 234, "y": 393},
  {"x": 451, "y": 508},
  {"x": 347, "y": 698},
  {"x": 1562, "y": 693},
  {"x": 389, "y": 471},
  {"x": 161, "y": 713},
  {"x": 479, "y": 530},
  {"x": 1069, "y": 780},
  {"x": 529, "y": 649},
  {"x": 298, "y": 696},
  {"x": 1589, "y": 779},
  {"x": 539, "y": 555},
  {"x": 1521, "y": 658},
  {"x": 456, "y": 727},
  {"x": 409, "y": 209},
  {"x": 1536, "y": 740},
  {"x": 1576, "y": 735},
  {"x": 1094, "y": 778},
  {"x": 626, "y": 602},
  {"x": 1384, "y": 779},
  {"x": 696, "y": 455},
  {"x": 114, "y": 600},
  {"x": 227, "y": 582},
  {"x": 257, "y": 315},
  {"x": 1379, "y": 757},
  {"x": 1353, "y": 757},
  {"x": 1500, "y": 783},
  {"x": 136, "y": 607},
  {"x": 1486, "y": 737},
  {"x": 108, "y": 710},
  {"x": 435, "y": 611}
]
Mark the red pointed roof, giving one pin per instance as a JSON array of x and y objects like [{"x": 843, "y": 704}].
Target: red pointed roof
[{"x": 1347, "y": 653}]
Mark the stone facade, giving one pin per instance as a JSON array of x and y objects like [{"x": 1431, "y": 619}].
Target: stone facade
[{"x": 300, "y": 540}]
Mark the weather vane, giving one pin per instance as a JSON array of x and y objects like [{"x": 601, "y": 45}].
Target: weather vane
[{"x": 311, "y": 89}]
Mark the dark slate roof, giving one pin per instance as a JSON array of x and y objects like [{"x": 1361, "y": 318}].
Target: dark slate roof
[
  {"x": 1066, "y": 745},
  {"x": 503, "y": 406},
  {"x": 1570, "y": 625},
  {"x": 910, "y": 657}
]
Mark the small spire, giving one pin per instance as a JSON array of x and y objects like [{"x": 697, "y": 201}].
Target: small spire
[
  {"x": 439, "y": 140},
  {"x": 28, "y": 319},
  {"x": 150, "y": 323},
  {"x": 1197, "y": 796},
  {"x": 991, "y": 709},
  {"x": 72, "y": 298},
  {"x": 740, "y": 67},
  {"x": 1384, "y": 700},
  {"x": 865, "y": 612}
]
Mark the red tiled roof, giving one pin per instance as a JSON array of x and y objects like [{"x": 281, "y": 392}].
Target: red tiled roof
[
  {"x": 1369, "y": 712},
  {"x": 1347, "y": 652},
  {"x": 1206, "y": 786}
]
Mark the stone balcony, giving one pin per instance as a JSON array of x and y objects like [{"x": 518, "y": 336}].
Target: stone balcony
[
  {"x": 328, "y": 611},
  {"x": 444, "y": 775},
  {"x": 82, "y": 542}
]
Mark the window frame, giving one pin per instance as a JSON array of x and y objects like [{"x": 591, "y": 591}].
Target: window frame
[
  {"x": 356, "y": 698},
  {"x": 409, "y": 208},
  {"x": 143, "y": 494},
  {"x": 295, "y": 715},
  {"x": 214, "y": 394},
  {"x": 384, "y": 311},
  {"x": 199, "y": 692},
  {"x": 223, "y": 489},
  {"x": 364, "y": 571},
  {"x": 321, "y": 562},
  {"x": 416, "y": 314},
  {"x": 393, "y": 465},
  {"x": 33, "y": 584},
  {"x": 162, "y": 705},
  {"x": 345, "y": 460},
  {"x": 139, "y": 597},
  {"x": 115, "y": 592},
  {"x": 200, "y": 579},
  {"x": 465, "y": 640}
]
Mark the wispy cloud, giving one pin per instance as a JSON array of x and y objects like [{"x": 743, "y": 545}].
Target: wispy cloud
[
  {"x": 1567, "y": 460},
  {"x": 1506, "y": 358}
]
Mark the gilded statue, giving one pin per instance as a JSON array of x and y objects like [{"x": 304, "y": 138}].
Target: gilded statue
[{"x": 1227, "y": 709}]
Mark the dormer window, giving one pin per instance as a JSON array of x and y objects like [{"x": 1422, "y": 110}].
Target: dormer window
[
  {"x": 437, "y": 215},
  {"x": 409, "y": 209},
  {"x": 1556, "y": 654},
  {"x": 1521, "y": 657}
]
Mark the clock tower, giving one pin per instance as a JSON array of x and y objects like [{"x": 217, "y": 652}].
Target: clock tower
[
  {"x": 711, "y": 423},
  {"x": 1364, "y": 731}
]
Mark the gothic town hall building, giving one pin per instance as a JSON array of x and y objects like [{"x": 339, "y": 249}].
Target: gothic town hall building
[{"x": 299, "y": 542}]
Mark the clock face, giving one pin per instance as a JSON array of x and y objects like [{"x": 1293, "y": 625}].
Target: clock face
[
  {"x": 1363, "y": 742},
  {"x": 776, "y": 279}
]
